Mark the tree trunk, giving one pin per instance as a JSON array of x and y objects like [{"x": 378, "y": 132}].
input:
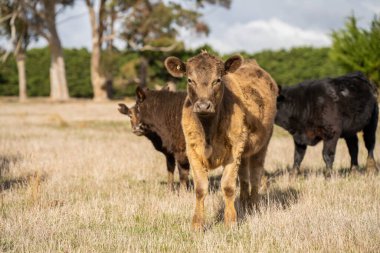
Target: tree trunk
[
  {"x": 58, "y": 83},
  {"x": 20, "y": 59},
  {"x": 19, "y": 53},
  {"x": 98, "y": 80},
  {"x": 143, "y": 75}
]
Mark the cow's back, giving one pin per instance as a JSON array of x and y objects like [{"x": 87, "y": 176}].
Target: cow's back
[
  {"x": 257, "y": 92},
  {"x": 356, "y": 100}
]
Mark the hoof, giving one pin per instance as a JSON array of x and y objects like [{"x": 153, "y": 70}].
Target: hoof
[
  {"x": 264, "y": 184},
  {"x": 354, "y": 170},
  {"x": 197, "y": 227},
  {"x": 371, "y": 166},
  {"x": 208, "y": 151},
  {"x": 327, "y": 173},
  {"x": 197, "y": 224},
  {"x": 293, "y": 173},
  {"x": 171, "y": 188},
  {"x": 230, "y": 217},
  {"x": 244, "y": 203},
  {"x": 230, "y": 222}
]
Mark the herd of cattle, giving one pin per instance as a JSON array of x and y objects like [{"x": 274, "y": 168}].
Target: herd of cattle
[{"x": 226, "y": 118}]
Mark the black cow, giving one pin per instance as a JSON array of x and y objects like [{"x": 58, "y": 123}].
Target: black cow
[
  {"x": 157, "y": 116},
  {"x": 327, "y": 110}
]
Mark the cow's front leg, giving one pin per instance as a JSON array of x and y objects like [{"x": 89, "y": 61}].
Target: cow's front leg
[
  {"x": 228, "y": 185},
  {"x": 299, "y": 153},
  {"x": 328, "y": 153},
  {"x": 170, "y": 166},
  {"x": 201, "y": 188}
]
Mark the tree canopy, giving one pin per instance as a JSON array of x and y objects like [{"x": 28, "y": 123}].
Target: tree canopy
[{"x": 358, "y": 49}]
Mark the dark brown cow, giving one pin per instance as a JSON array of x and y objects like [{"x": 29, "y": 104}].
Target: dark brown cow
[{"x": 157, "y": 116}]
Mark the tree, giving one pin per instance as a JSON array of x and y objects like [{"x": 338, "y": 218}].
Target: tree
[
  {"x": 357, "y": 49},
  {"x": 16, "y": 29},
  {"x": 149, "y": 26},
  {"x": 153, "y": 26},
  {"x": 40, "y": 15}
]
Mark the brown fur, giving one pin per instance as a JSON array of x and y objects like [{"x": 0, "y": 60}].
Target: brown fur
[
  {"x": 157, "y": 116},
  {"x": 237, "y": 130}
]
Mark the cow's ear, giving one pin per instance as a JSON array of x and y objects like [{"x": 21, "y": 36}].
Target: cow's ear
[
  {"x": 280, "y": 98},
  {"x": 123, "y": 109},
  {"x": 140, "y": 94},
  {"x": 233, "y": 63},
  {"x": 175, "y": 66},
  {"x": 166, "y": 87},
  {"x": 279, "y": 89}
]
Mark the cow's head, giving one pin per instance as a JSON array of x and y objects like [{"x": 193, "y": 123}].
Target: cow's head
[
  {"x": 138, "y": 127},
  {"x": 284, "y": 108},
  {"x": 204, "y": 72}
]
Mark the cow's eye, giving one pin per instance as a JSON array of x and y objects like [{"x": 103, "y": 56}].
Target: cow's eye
[
  {"x": 217, "y": 81},
  {"x": 191, "y": 82}
]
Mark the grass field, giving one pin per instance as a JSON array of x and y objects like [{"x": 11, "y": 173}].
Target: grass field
[{"x": 73, "y": 178}]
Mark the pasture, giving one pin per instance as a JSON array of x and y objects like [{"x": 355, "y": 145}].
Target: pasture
[{"x": 73, "y": 178}]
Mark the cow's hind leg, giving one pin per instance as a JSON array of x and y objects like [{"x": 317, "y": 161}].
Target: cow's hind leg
[
  {"x": 256, "y": 164},
  {"x": 328, "y": 153},
  {"x": 244, "y": 182},
  {"x": 170, "y": 165},
  {"x": 299, "y": 153},
  {"x": 352, "y": 144},
  {"x": 183, "y": 170},
  {"x": 370, "y": 140}
]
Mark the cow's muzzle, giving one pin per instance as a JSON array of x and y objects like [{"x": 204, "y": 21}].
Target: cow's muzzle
[
  {"x": 204, "y": 107},
  {"x": 139, "y": 130}
]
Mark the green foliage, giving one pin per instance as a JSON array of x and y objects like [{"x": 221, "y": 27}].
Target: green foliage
[
  {"x": 78, "y": 72},
  {"x": 357, "y": 49},
  {"x": 287, "y": 67},
  {"x": 37, "y": 72},
  {"x": 8, "y": 78}
]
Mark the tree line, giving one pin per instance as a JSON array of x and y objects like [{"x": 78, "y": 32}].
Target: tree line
[
  {"x": 150, "y": 30},
  {"x": 149, "y": 25},
  {"x": 288, "y": 67}
]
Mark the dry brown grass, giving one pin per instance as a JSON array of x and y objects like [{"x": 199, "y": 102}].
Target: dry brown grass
[{"x": 73, "y": 178}]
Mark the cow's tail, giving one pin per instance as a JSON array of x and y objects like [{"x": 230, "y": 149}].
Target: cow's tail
[{"x": 369, "y": 131}]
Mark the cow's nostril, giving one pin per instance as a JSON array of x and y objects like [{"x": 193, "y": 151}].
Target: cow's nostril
[{"x": 203, "y": 107}]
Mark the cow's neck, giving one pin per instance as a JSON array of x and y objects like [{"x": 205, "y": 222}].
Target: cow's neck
[
  {"x": 157, "y": 119},
  {"x": 210, "y": 126}
]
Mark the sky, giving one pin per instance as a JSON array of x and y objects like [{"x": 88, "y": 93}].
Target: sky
[{"x": 249, "y": 25}]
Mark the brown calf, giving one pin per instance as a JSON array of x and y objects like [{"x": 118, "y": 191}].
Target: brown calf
[
  {"x": 157, "y": 116},
  {"x": 227, "y": 121}
]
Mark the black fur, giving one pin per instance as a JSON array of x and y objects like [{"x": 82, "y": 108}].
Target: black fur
[{"x": 326, "y": 110}]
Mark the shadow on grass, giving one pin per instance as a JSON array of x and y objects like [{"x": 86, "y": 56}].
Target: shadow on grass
[
  {"x": 277, "y": 198},
  {"x": 307, "y": 172},
  {"x": 7, "y": 182},
  {"x": 341, "y": 172},
  {"x": 5, "y": 163},
  {"x": 213, "y": 184}
]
